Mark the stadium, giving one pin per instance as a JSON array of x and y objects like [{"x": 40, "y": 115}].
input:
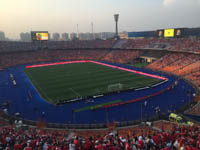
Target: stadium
[
  {"x": 90, "y": 84},
  {"x": 90, "y": 89},
  {"x": 130, "y": 90}
]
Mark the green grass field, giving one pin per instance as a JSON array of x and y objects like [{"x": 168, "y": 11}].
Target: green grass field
[{"x": 69, "y": 81}]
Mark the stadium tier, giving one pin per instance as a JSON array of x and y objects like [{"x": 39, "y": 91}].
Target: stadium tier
[
  {"x": 95, "y": 84},
  {"x": 173, "y": 44},
  {"x": 160, "y": 135}
]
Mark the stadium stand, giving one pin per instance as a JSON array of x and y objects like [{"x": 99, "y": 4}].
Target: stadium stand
[
  {"x": 175, "y": 44},
  {"x": 11, "y": 46},
  {"x": 187, "y": 59},
  {"x": 17, "y": 58},
  {"x": 160, "y": 135},
  {"x": 181, "y": 64},
  {"x": 163, "y": 135},
  {"x": 188, "y": 69},
  {"x": 122, "y": 56},
  {"x": 165, "y": 61},
  {"x": 136, "y": 43}
]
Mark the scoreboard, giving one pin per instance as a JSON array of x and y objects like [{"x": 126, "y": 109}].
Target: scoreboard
[
  {"x": 39, "y": 35},
  {"x": 171, "y": 33}
]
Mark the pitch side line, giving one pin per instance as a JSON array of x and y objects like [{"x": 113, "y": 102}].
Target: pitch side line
[
  {"x": 58, "y": 63},
  {"x": 95, "y": 62},
  {"x": 39, "y": 88},
  {"x": 130, "y": 70}
]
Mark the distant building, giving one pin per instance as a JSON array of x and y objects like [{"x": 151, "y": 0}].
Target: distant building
[
  {"x": 123, "y": 35},
  {"x": 73, "y": 36},
  {"x": 25, "y": 37},
  {"x": 56, "y": 37},
  {"x": 49, "y": 36},
  {"x": 92, "y": 36},
  {"x": 65, "y": 36},
  {"x": 86, "y": 36},
  {"x": 107, "y": 35},
  {"x": 81, "y": 36},
  {"x": 2, "y": 36},
  {"x": 97, "y": 36}
]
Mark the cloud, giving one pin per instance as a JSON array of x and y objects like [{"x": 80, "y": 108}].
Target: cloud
[
  {"x": 176, "y": 2},
  {"x": 168, "y": 2}
]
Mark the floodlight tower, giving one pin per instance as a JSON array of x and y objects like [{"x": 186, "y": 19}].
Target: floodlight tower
[
  {"x": 92, "y": 29},
  {"x": 77, "y": 31},
  {"x": 116, "y": 17}
]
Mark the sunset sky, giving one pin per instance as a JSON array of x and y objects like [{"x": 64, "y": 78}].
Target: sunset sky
[{"x": 63, "y": 15}]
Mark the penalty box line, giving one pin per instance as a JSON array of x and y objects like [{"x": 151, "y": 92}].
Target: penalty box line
[{"x": 75, "y": 92}]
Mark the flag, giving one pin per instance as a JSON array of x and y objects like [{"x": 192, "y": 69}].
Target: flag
[{"x": 145, "y": 103}]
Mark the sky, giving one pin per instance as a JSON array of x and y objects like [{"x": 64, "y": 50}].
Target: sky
[{"x": 63, "y": 15}]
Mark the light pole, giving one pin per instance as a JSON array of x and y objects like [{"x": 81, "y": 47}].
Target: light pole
[
  {"x": 92, "y": 29},
  {"x": 116, "y": 17},
  {"x": 77, "y": 31},
  {"x": 141, "y": 111}
]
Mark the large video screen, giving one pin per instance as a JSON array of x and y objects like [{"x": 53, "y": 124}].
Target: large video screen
[
  {"x": 42, "y": 36},
  {"x": 39, "y": 36},
  {"x": 169, "y": 33},
  {"x": 160, "y": 33},
  {"x": 179, "y": 32}
]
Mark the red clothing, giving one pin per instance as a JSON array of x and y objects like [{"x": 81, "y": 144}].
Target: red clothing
[
  {"x": 140, "y": 144},
  {"x": 127, "y": 146},
  {"x": 18, "y": 147},
  {"x": 100, "y": 147},
  {"x": 166, "y": 148},
  {"x": 156, "y": 140},
  {"x": 28, "y": 148},
  {"x": 87, "y": 145}
]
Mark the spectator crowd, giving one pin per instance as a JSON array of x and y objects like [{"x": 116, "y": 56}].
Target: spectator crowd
[
  {"x": 166, "y": 136},
  {"x": 162, "y": 136}
]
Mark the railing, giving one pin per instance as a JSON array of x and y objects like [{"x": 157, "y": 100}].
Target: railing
[{"x": 11, "y": 119}]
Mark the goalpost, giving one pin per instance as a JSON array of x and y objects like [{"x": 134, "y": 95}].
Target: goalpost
[{"x": 115, "y": 87}]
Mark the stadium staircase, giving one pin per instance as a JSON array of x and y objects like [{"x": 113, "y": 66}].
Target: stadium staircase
[
  {"x": 171, "y": 62},
  {"x": 119, "y": 43},
  {"x": 70, "y": 135},
  {"x": 155, "y": 62},
  {"x": 108, "y": 52},
  {"x": 196, "y": 70},
  {"x": 184, "y": 67}
]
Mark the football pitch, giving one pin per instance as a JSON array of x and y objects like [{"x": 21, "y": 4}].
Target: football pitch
[{"x": 79, "y": 80}]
